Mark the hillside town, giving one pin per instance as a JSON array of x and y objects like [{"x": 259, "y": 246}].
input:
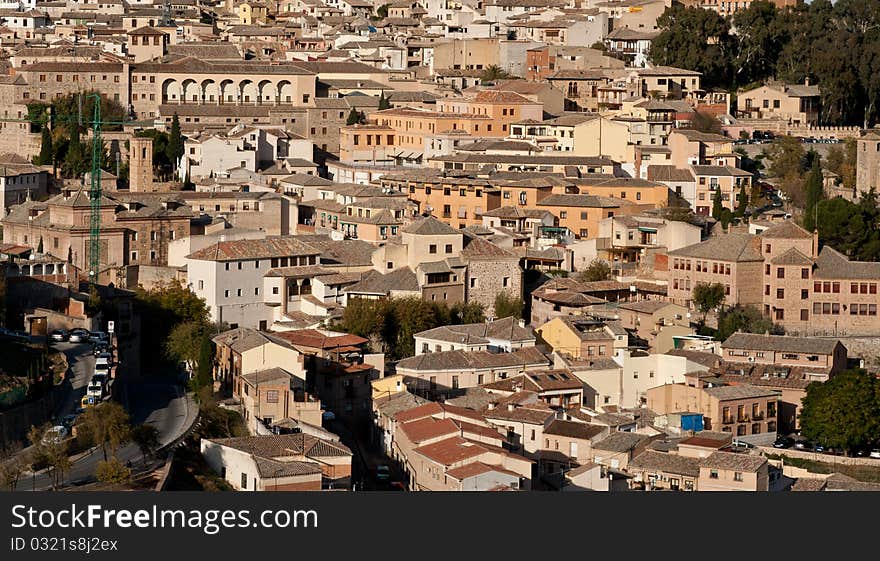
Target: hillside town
[{"x": 422, "y": 245}]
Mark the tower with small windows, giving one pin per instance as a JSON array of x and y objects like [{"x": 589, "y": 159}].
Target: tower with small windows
[{"x": 140, "y": 165}]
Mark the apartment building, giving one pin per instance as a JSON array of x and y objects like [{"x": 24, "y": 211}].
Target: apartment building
[
  {"x": 729, "y": 180},
  {"x": 797, "y": 104},
  {"x": 747, "y": 412},
  {"x": 136, "y": 228},
  {"x": 290, "y": 462},
  {"x": 733, "y": 260},
  {"x": 583, "y": 337},
  {"x": 806, "y": 290},
  {"x": 229, "y": 276},
  {"x": 505, "y": 334},
  {"x": 449, "y": 372}
]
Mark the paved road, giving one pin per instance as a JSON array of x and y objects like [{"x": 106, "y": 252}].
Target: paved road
[
  {"x": 82, "y": 366},
  {"x": 156, "y": 401}
]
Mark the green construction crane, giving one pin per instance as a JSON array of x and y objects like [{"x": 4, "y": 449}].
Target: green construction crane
[{"x": 95, "y": 196}]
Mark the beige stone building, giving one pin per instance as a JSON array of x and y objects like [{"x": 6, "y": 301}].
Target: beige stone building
[
  {"x": 743, "y": 410},
  {"x": 798, "y": 104},
  {"x": 868, "y": 161},
  {"x": 733, "y": 260}
]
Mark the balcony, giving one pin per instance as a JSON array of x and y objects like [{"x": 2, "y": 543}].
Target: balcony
[
  {"x": 743, "y": 419},
  {"x": 758, "y": 417},
  {"x": 727, "y": 421}
]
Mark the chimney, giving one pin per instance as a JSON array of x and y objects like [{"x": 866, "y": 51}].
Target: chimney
[
  {"x": 491, "y": 405},
  {"x": 806, "y": 80},
  {"x": 511, "y": 406},
  {"x": 816, "y": 243},
  {"x": 521, "y": 322}
]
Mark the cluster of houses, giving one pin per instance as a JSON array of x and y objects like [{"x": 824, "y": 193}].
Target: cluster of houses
[{"x": 455, "y": 152}]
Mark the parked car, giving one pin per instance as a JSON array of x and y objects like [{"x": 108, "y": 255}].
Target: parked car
[
  {"x": 328, "y": 416},
  {"x": 783, "y": 442},
  {"x": 802, "y": 445},
  {"x": 68, "y": 420},
  {"x": 79, "y": 335},
  {"x": 55, "y": 434},
  {"x": 99, "y": 337},
  {"x": 99, "y": 348},
  {"x": 60, "y": 335},
  {"x": 874, "y": 454}
]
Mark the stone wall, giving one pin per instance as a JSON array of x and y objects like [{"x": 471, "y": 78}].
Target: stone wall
[
  {"x": 490, "y": 277},
  {"x": 16, "y": 422},
  {"x": 825, "y": 458}
]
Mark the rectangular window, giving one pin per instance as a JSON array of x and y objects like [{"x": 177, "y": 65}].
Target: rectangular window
[
  {"x": 244, "y": 481},
  {"x": 780, "y": 273},
  {"x": 272, "y": 396},
  {"x": 432, "y": 248}
]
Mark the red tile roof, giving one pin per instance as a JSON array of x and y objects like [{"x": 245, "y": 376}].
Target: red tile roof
[
  {"x": 429, "y": 428},
  {"x": 315, "y": 339},
  {"x": 476, "y": 468},
  {"x": 451, "y": 450}
]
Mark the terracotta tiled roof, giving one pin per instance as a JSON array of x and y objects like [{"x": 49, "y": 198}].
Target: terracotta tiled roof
[{"x": 254, "y": 249}]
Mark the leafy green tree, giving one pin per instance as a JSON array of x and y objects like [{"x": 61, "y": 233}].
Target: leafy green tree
[
  {"x": 161, "y": 308},
  {"x": 47, "y": 152},
  {"x": 12, "y": 465},
  {"x": 175, "y": 143},
  {"x": 50, "y": 453},
  {"x": 383, "y": 102},
  {"x": 597, "y": 270},
  {"x": 412, "y": 315},
  {"x": 161, "y": 151},
  {"x": 851, "y": 227},
  {"x": 382, "y": 11},
  {"x": 467, "y": 312},
  {"x": 599, "y": 46},
  {"x": 814, "y": 193},
  {"x": 747, "y": 319},
  {"x": 493, "y": 73},
  {"x": 508, "y": 306},
  {"x": 696, "y": 39},
  {"x": 705, "y": 122},
  {"x": 112, "y": 471},
  {"x": 743, "y": 202},
  {"x": 355, "y": 117},
  {"x": 707, "y": 297},
  {"x": 717, "y": 205},
  {"x": 759, "y": 31},
  {"x": 94, "y": 303},
  {"x": 190, "y": 342},
  {"x": 75, "y": 162},
  {"x": 147, "y": 439},
  {"x": 844, "y": 412},
  {"x": 106, "y": 425}
]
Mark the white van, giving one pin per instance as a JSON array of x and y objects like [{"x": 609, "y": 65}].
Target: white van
[
  {"x": 102, "y": 364},
  {"x": 95, "y": 389}
]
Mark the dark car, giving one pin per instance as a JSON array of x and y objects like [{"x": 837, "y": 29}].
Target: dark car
[{"x": 783, "y": 442}]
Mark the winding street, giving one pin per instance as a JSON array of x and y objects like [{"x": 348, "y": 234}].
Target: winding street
[{"x": 158, "y": 401}]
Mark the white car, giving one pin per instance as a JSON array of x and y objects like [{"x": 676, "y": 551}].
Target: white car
[
  {"x": 875, "y": 454},
  {"x": 55, "y": 434},
  {"x": 78, "y": 335}
]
